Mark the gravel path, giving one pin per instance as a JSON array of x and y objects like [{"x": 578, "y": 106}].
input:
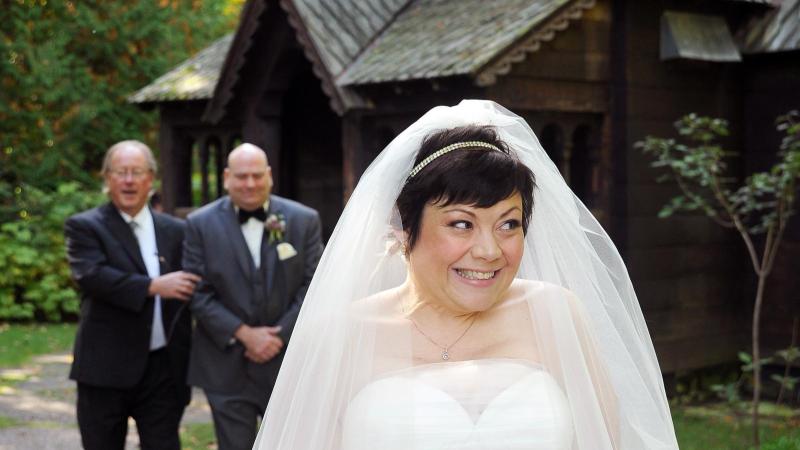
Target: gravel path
[{"x": 40, "y": 407}]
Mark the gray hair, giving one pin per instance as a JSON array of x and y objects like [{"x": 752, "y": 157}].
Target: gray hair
[{"x": 148, "y": 155}]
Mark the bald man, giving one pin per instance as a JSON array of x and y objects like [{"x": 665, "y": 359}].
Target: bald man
[
  {"x": 132, "y": 346},
  {"x": 256, "y": 254}
]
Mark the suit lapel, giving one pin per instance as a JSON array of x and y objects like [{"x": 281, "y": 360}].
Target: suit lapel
[
  {"x": 234, "y": 231},
  {"x": 116, "y": 224},
  {"x": 269, "y": 250},
  {"x": 163, "y": 263}
]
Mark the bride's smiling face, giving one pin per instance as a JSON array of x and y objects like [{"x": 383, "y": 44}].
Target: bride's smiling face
[{"x": 466, "y": 257}]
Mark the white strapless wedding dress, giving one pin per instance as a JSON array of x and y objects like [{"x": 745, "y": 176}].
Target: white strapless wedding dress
[{"x": 493, "y": 404}]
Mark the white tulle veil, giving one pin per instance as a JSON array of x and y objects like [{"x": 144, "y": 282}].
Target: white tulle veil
[{"x": 334, "y": 353}]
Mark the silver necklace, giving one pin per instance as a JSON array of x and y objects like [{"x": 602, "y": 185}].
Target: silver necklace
[{"x": 445, "y": 348}]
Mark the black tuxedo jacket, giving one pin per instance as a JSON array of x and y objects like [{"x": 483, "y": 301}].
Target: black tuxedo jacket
[{"x": 113, "y": 338}]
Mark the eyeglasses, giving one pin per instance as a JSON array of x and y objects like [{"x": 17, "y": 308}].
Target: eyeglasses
[{"x": 136, "y": 174}]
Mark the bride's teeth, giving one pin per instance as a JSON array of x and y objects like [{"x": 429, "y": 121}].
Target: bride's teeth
[{"x": 473, "y": 275}]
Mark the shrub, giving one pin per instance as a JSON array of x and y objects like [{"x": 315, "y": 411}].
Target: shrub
[{"x": 34, "y": 275}]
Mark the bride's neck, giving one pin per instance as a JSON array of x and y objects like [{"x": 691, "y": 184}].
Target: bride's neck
[{"x": 424, "y": 307}]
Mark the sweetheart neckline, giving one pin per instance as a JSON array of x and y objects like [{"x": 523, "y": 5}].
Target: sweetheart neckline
[
  {"x": 441, "y": 365},
  {"x": 451, "y": 399}
]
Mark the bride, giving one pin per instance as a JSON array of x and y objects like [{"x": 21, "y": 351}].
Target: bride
[{"x": 468, "y": 300}]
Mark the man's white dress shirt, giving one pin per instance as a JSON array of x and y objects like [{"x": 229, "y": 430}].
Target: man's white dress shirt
[
  {"x": 253, "y": 231},
  {"x": 145, "y": 231}
]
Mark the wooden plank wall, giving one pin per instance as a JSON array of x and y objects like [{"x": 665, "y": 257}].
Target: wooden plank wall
[
  {"x": 772, "y": 87},
  {"x": 687, "y": 270},
  {"x": 567, "y": 74}
]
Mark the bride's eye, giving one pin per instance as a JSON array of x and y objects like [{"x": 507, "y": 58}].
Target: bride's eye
[
  {"x": 510, "y": 225},
  {"x": 461, "y": 224}
]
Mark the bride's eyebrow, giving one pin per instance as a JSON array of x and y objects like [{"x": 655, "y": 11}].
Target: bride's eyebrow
[
  {"x": 510, "y": 210},
  {"x": 472, "y": 214},
  {"x": 458, "y": 209}
]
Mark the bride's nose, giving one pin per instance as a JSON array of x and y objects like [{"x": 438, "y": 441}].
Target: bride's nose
[{"x": 485, "y": 246}]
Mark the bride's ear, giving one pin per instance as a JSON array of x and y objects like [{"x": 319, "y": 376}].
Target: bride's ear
[
  {"x": 398, "y": 235},
  {"x": 401, "y": 238},
  {"x": 404, "y": 244}
]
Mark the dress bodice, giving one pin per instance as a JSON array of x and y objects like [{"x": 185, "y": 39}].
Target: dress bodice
[{"x": 483, "y": 404}]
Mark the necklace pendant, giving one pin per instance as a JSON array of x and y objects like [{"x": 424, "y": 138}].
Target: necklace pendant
[{"x": 445, "y": 355}]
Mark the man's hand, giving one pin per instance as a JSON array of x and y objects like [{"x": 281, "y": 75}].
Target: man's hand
[
  {"x": 179, "y": 285},
  {"x": 261, "y": 343}
]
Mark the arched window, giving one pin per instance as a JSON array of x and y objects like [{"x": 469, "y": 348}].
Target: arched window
[
  {"x": 213, "y": 173},
  {"x": 584, "y": 165},
  {"x": 383, "y": 136},
  {"x": 552, "y": 139},
  {"x": 206, "y": 166}
]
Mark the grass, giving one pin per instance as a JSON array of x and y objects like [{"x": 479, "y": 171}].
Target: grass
[
  {"x": 20, "y": 342},
  {"x": 198, "y": 436},
  {"x": 707, "y": 429},
  {"x": 8, "y": 422}
]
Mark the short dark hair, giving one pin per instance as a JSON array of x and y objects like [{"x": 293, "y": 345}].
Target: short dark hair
[{"x": 478, "y": 177}]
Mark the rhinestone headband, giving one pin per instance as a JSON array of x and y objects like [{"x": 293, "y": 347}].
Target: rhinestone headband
[{"x": 448, "y": 149}]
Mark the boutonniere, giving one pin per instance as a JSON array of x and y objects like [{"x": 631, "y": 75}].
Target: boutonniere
[
  {"x": 275, "y": 226},
  {"x": 285, "y": 251}
]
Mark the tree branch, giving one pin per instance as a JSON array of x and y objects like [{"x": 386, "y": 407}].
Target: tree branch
[{"x": 751, "y": 249}]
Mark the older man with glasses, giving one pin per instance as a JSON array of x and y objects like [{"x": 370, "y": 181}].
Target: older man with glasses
[{"x": 132, "y": 346}]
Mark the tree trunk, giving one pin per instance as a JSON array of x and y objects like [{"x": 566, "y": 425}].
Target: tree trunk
[{"x": 762, "y": 277}]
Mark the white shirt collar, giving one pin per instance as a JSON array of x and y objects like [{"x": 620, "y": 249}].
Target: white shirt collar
[
  {"x": 141, "y": 218},
  {"x": 236, "y": 207}
]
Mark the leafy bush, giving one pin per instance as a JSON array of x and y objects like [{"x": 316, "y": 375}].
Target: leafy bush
[
  {"x": 34, "y": 275},
  {"x": 782, "y": 443},
  {"x": 66, "y": 68}
]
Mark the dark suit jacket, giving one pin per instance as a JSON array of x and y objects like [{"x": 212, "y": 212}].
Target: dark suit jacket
[
  {"x": 233, "y": 292},
  {"x": 113, "y": 339}
]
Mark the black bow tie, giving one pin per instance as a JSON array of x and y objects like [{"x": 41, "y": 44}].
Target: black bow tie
[{"x": 258, "y": 214}]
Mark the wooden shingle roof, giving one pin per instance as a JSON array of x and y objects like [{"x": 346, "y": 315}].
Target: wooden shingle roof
[
  {"x": 193, "y": 79},
  {"x": 440, "y": 38},
  {"x": 778, "y": 30},
  {"x": 358, "y": 42},
  {"x": 354, "y": 42},
  {"x": 340, "y": 29}
]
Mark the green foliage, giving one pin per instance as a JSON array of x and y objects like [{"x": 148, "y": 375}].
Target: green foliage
[
  {"x": 700, "y": 168},
  {"x": 704, "y": 385},
  {"x": 34, "y": 275},
  {"x": 789, "y": 357},
  {"x": 748, "y": 364},
  {"x": 67, "y": 67},
  {"x": 783, "y": 443}
]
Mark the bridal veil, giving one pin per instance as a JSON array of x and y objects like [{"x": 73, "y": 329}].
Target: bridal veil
[{"x": 338, "y": 348}]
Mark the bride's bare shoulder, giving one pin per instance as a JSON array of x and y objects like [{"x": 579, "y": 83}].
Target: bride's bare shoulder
[
  {"x": 532, "y": 288},
  {"x": 383, "y": 305},
  {"x": 535, "y": 291},
  {"x": 522, "y": 291}
]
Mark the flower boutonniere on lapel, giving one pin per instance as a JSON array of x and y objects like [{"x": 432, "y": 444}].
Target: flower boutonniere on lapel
[
  {"x": 275, "y": 225},
  {"x": 285, "y": 251}
]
